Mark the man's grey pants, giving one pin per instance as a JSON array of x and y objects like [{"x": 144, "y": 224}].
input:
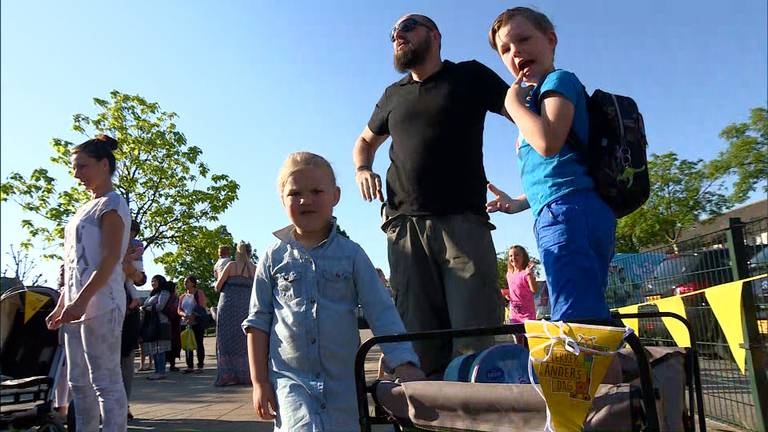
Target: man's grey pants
[{"x": 443, "y": 274}]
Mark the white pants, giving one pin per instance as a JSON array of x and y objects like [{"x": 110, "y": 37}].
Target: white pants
[{"x": 93, "y": 364}]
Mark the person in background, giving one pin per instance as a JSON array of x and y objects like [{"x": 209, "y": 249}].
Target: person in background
[
  {"x": 171, "y": 311},
  {"x": 225, "y": 256},
  {"x": 133, "y": 267},
  {"x": 521, "y": 281},
  {"x": 92, "y": 305},
  {"x": 191, "y": 304},
  {"x": 234, "y": 284},
  {"x": 161, "y": 340}
]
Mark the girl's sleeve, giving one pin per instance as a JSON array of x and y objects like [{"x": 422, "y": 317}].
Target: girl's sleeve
[
  {"x": 261, "y": 310},
  {"x": 380, "y": 311}
]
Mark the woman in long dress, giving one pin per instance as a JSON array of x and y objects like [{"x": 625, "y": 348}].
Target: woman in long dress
[{"x": 234, "y": 284}]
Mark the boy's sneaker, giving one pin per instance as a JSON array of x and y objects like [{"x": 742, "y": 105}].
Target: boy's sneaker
[{"x": 187, "y": 370}]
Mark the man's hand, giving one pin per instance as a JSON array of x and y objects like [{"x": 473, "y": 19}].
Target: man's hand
[
  {"x": 264, "y": 401},
  {"x": 504, "y": 203},
  {"x": 408, "y": 372},
  {"x": 370, "y": 185}
]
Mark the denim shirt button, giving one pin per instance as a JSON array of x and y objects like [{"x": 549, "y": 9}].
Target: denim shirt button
[
  {"x": 322, "y": 406},
  {"x": 312, "y": 301},
  {"x": 317, "y": 375},
  {"x": 313, "y": 341}
]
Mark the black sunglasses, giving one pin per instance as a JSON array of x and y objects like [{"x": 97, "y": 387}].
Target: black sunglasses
[{"x": 406, "y": 26}]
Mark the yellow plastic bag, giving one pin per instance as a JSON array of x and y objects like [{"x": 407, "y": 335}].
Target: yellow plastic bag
[
  {"x": 570, "y": 361},
  {"x": 188, "y": 342}
]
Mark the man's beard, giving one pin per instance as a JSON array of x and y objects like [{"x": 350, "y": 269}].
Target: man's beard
[{"x": 412, "y": 56}]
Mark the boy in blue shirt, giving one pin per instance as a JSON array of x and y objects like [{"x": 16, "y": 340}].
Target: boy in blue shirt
[{"x": 574, "y": 228}]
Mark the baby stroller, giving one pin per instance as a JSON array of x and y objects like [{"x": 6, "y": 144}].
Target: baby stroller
[
  {"x": 644, "y": 389},
  {"x": 30, "y": 359}
]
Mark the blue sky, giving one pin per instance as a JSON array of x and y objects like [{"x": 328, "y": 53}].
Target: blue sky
[{"x": 254, "y": 80}]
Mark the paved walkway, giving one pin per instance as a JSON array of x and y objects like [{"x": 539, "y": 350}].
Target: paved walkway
[{"x": 190, "y": 402}]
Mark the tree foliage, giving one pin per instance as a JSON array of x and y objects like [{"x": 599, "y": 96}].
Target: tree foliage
[
  {"x": 746, "y": 156},
  {"x": 23, "y": 269},
  {"x": 196, "y": 257},
  {"x": 171, "y": 192},
  {"x": 682, "y": 193}
]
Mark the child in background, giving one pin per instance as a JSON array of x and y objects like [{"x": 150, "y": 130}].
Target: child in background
[
  {"x": 574, "y": 228},
  {"x": 302, "y": 324},
  {"x": 522, "y": 285}
]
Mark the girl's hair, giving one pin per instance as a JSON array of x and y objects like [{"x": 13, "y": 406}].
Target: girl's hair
[
  {"x": 100, "y": 147},
  {"x": 299, "y": 160},
  {"x": 162, "y": 285},
  {"x": 192, "y": 279},
  {"x": 243, "y": 253},
  {"x": 521, "y": 250},
  {"x": 537, "y": 19}
]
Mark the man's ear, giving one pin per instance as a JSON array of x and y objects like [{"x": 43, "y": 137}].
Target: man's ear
[{"x": 336, "y": 196}]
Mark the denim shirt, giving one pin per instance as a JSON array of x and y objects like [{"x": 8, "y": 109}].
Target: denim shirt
[{"x": 306, "y": 300}]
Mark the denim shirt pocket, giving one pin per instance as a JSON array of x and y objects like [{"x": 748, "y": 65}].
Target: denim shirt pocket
[
  {"x": 338, "y": 286},
  {"x": 288, "y": 285}
]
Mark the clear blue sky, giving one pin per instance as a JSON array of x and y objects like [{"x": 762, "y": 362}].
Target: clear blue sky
[{"x": 253, "y": 81}]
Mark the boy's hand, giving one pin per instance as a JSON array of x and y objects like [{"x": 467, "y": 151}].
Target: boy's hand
[
  {"x": 517, "y": 93},
  {"x": 408, "y": 372},
  {"x": 264, "y": 401}
]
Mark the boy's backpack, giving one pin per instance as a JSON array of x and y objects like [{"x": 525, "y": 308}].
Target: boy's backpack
[{"x": 615, "y": 155}]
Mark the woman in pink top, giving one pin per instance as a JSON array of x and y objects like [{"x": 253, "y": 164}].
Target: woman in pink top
[{"x": 522, "y": 285}]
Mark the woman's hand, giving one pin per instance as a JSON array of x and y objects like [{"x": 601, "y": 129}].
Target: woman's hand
[
  {"x": 53, "y": 320},
  {"x": 264, "y": 401},
  {"x": 73, "y": 311}
]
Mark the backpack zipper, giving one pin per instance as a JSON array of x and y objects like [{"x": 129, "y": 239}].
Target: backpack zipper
[{"x": 618, "y": 114}]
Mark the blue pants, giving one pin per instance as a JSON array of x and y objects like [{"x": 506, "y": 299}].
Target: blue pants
[{"x": 576, "y": 236}]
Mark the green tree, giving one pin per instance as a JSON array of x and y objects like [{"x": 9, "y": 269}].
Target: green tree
[
  {"x": 746, "y": 156},
  {"x": 169, "y": 189},
  {"x": 682, "y": 193},
  {"x": 196, "y": 257}
]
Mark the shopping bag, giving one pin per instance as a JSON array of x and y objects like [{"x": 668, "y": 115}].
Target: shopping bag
[{"x": 188, "y": 342}]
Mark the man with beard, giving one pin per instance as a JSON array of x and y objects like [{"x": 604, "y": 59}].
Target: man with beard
[{"x": 441, "y": 255}]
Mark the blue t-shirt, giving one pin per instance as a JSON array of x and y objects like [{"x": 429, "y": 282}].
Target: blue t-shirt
[{"x": 547, "y": 178}]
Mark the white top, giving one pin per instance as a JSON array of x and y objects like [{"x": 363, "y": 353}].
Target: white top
[
  {"x": 218, "y": 268},
  {"x": 83, "y": 252}
]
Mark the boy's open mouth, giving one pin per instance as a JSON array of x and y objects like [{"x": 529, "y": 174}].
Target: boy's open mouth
[{"x": 524, "y": 64}]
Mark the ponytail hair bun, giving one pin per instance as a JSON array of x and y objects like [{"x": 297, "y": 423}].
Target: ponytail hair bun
[{"x": 100, "y": 147}]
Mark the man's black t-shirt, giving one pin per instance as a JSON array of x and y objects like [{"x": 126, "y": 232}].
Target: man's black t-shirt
[{"x": 437, "y": 138}]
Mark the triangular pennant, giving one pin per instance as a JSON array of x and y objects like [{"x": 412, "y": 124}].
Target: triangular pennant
[
  {"x": 570, "y": 361},
  {"x": 676, "y": 328},
  {"x": 32, "y": 303},
  {"x": 629, "y": 322},
  {"x": 725, "y": 301}
]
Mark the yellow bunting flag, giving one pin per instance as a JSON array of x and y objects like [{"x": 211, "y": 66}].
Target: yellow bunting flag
[
  {"x": 676, "y": 328},
  {"x": 32, "y": 303},
  {"x": 629, "y": 322},
  {"x": 725, "y": 301},
  {"x": 570, "y": 361}
]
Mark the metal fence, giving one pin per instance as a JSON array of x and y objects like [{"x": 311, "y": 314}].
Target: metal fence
[{"x": 735, "y": 253}]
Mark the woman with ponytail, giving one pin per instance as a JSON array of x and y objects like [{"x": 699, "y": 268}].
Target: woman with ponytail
[{"x": 91, "y": 308}]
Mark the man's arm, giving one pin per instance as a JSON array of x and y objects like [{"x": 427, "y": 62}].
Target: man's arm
[{"x": 363, "y": 154}]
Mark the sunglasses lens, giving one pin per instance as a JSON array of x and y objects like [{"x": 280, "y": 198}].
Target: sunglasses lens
[{"x": 405, "y": 26}]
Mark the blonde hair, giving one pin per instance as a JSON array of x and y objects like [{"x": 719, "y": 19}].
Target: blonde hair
[
  {"x": 526, "y": 257},
  {"x": 537, "y": 19},
  {"x": 243, "y": 253},
  {"x": 299, "y": 160}
]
